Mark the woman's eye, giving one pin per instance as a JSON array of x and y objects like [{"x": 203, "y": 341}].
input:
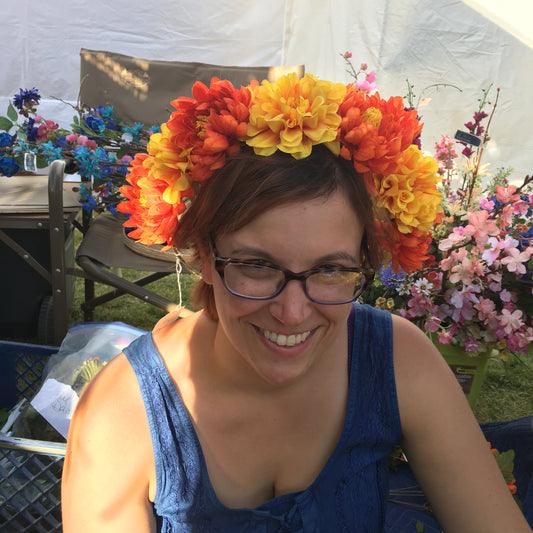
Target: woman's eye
[
  {"x": 255, "y": 270},
  {"x": 329, "y": 267}
]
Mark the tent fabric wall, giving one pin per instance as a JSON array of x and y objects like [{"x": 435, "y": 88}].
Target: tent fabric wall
[{"x": 426, "y": 42}]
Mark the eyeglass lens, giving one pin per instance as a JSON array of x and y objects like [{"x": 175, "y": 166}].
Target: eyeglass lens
[{"x": 259, "y": 281}]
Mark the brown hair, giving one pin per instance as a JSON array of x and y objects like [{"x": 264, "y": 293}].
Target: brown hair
[{"x": 249, "y": 185}]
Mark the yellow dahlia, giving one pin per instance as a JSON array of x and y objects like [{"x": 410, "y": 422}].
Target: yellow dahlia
[
  {"x": 294, "y": 114},
  {"x": 410, "y": 193}
]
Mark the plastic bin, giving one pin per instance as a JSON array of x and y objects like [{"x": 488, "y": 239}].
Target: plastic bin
[{"x": 30, "y": 470}]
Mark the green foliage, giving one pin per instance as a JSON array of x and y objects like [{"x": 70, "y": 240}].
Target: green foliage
[
  {"x": 12, "y": 113},
  {"x": 505, "y": 461},
  {"x": 5, "y": 124}
]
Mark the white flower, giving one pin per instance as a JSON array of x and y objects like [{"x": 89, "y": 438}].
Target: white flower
[{"x": 423, "y": 285}]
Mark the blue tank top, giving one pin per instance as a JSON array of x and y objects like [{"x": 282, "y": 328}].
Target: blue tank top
[{"x": 350, "y": 494}]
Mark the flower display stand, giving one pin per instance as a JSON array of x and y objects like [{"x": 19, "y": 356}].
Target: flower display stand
[{"x": 470, "y": 370}]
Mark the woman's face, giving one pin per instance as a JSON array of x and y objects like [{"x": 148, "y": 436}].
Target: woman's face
[{"x": 278, "y": 340}]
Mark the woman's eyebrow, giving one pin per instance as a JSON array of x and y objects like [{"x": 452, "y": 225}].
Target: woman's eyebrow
[{"x": 335, "y": 256}]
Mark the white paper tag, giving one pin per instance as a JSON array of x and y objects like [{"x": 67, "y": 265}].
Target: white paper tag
[{"x": 56, "y": 402}]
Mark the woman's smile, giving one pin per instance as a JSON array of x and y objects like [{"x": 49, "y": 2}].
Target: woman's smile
[{"x": 285, "y": 340}]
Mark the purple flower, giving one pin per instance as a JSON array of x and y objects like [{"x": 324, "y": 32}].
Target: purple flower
[{"x": 470, "y": 344}]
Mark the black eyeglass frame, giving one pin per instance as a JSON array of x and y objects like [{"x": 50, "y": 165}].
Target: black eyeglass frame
[{"x": 221, "y": 262}]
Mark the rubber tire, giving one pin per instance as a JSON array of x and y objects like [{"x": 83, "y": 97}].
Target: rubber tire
[{"x": 45, "y": 324}]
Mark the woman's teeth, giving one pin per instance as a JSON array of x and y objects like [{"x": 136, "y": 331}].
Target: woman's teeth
[{"x": 285, "y": 340}]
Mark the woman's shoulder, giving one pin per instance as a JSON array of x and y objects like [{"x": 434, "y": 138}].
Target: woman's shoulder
[
  {"x": 176, "y": 338},
  {"x": 107, "y": 397},
  {"x": 416, "y": 359}
]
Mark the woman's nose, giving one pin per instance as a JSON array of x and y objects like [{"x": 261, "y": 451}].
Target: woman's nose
[{"x": 291, "y": 306}]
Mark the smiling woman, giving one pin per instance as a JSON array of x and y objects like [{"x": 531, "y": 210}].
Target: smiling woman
[{"x": 276, "y": 406}]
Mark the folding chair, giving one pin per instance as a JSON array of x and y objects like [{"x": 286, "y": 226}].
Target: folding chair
[{"x": 105, "y": 246}]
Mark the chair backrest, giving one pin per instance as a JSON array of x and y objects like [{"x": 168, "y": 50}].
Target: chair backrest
[{"x": 141, "y": 90}]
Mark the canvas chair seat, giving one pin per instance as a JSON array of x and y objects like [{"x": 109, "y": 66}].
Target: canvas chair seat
[{"x": 106, "y": 246}]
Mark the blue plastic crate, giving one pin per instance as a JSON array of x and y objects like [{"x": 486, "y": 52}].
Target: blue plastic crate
[
  {"x": 30, "y": 470},
  {"x": 21, "y": 370}
]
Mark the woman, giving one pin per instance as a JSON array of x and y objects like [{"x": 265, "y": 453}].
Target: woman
[{"x": 275, "y": 407}]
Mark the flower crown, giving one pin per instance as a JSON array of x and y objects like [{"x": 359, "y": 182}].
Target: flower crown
[{"x": 291, "y": 115}]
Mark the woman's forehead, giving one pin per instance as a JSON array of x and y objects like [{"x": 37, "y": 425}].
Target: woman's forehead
[{"x": 318, "y": 227}]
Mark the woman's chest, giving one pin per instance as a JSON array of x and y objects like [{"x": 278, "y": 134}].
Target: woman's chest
[{"x": 256, "y": 453}]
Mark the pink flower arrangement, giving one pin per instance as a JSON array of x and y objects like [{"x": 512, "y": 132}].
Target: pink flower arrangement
[
  {"x": 480, "y": 294},
  {"x": 477, "y": 293}
]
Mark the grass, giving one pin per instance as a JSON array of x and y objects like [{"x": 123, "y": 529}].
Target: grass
[
  {"x": 507, "y": 391},
  {"x": 127, "y": 308}
]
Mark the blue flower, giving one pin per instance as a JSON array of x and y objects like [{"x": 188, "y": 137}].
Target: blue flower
[
  {"x": 110, "y": 124},
  {"x": 50, "y": 152},
  {"x": 62, "y": 143},
  {"x": 23, "y": 147},
  {"x": 389, "y": 278},
  {"x": 9, "y": 167},
  {"x": 155, "y": 129},
  {"x": 95, "y": 123},
  {"x": 105, "y": 112},
  {"x": 137, "y": 127},
  {"x": 6, "y": 140},
  {"x": 26, "y": 100},
  {"x": 89, "y": 161},
  {"x": 89, "y": 204},
  {"x": 29, "y": 130}
]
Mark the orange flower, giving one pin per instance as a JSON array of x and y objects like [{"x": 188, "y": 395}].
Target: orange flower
[
  {"x": 408, "y": 250},
  {"x": 292, "y": 115},
  {"x": 191, "y": 146},
  {"x": 153, "y": 216},
  {"x": 210, "y": 125},
  {"x": 373, "y": 131}
]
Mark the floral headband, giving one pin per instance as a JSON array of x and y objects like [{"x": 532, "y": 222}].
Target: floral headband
[{"x": 291, "y": 115}]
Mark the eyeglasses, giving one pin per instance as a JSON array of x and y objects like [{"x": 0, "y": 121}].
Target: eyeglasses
[{"x": 256, "y": 280}]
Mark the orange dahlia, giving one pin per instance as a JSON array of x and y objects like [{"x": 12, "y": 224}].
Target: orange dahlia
[
  {"x": 408, "y": 250},
  {"x": 374, "y": 131},
  {"x": 211, "y": 125},
  {"x": 294, "y": 114}
]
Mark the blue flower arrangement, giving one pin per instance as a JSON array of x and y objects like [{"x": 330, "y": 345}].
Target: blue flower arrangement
[{"x": 99, "y": 146}]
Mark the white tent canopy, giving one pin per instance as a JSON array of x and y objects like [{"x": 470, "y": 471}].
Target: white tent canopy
[{"x": 469, "y": 44}]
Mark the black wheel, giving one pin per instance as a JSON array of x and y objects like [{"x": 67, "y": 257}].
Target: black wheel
[{"x": 45, "y": 324}]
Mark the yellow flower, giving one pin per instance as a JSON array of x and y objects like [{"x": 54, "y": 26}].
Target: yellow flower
[
  {"x": 168, "y": 163},
  {"x": 294, "y": 114},
  {"x": 410, "y": 194}
]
